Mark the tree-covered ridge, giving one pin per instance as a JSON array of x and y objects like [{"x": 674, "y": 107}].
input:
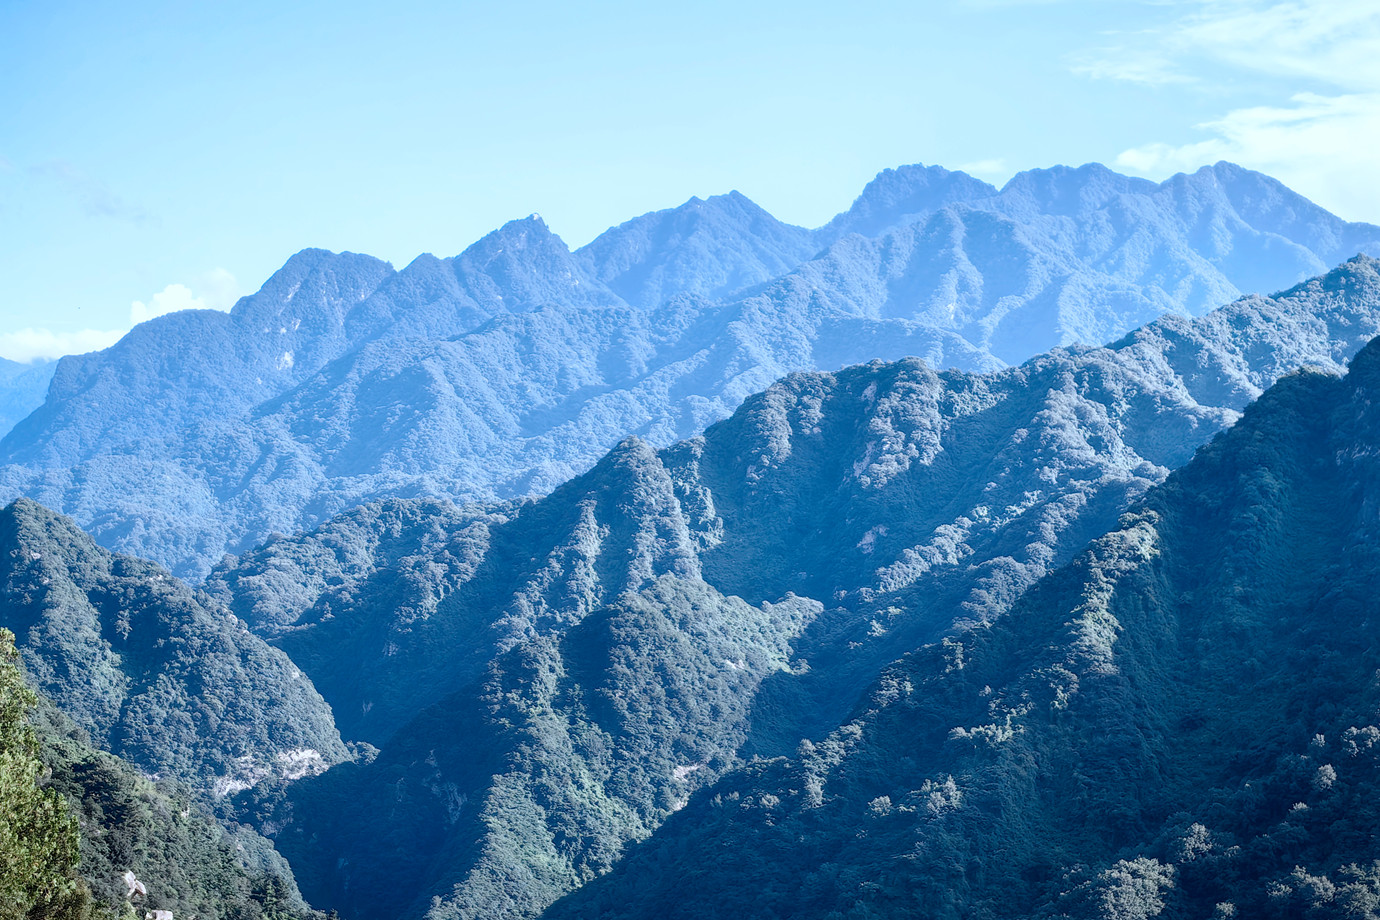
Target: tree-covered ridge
[
  {"x": 709, "y": 249},
  {"x": 503, "y": 371},
  {"x": 878, "y": 481},
  {"x": 38, "y": 836},
  {"x": 150, "y": 673},
  {"x": 879, "y": 505},
  {"x": 151, "y": 846},
  {"x": 84, "y": 835},
  {"x": 1177, "y": 724},
  {"x": 531, "y": 780}
]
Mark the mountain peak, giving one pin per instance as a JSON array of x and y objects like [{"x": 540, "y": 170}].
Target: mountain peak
[
  {"x": 903, "y": 195},
  {"x": 28, "y": 522},
  {"x": 317, "y": 276},
  {"x": 524, "y": 233},
  {"x": 1064, "y": 189},
  {"x": 708, "y": 247}
]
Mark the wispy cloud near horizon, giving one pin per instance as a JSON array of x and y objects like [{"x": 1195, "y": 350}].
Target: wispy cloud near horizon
[
  {"x": 1321, "y": 137},
  {"x": 29, "y": 345},
  {"x": 95, "y": 197},
  {"x": 216, "y": 290}
]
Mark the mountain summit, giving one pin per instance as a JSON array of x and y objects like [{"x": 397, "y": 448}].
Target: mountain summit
[{"x": 508, "y": 368}]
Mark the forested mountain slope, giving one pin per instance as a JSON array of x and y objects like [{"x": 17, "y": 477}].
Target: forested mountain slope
[
  {"x": 160, "y": 832},
  {"x": 506, "y": 369},
  {"x": 146, "y": 670},
  {"x": 550, "y": 681},
  {"x": 1180, "y": 723},
  {"x": 85, "y": 835}
]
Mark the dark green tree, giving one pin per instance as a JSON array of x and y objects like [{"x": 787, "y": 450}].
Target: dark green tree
[{"x": 38, "y": 838}]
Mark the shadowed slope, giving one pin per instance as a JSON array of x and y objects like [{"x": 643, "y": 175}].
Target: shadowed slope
[
  {"x": 779, "y": 563},
  {"x": 1179, "y": 723}
]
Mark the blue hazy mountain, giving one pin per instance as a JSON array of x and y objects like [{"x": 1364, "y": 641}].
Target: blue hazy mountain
[
  {"x": 507, "y": 369},
  {"x": 1179, "y": 723},
  {"x": 711, "y": 249},
  {"x": 22, "y": 389},
  {"x": 552, "y": 681},
  {"x": 905, "y": 195}
]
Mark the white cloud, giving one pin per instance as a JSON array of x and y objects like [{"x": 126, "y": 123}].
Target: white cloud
[
  {"x": 28, "y": 345},
  {"x": 1320, "y": 142},
  {"x": 1324, "y": 146},
  {"x": 1331, "y": 41},
  {"x": 991, "y": 170},
  {"x": 172, "y": 298},
  {"x": 219, "y": 291},
  {"x": 1148, "y": 68}
]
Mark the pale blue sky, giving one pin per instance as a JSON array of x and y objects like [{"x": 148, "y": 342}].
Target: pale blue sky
[{"x": 163, "y": 154}]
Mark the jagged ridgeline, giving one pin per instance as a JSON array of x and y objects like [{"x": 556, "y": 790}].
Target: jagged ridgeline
[
  {"x": 85, "y": 835},
  {"x": 507, "y": 369},
  {"x": 1180, "y": 723},
  {"x": 552, "y": 680},
  {"x": 148, "y": 671}
]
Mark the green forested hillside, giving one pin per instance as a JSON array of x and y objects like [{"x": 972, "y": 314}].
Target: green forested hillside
[
  {"x": 146, "y": 670},
  {"x": 775, "y": 567},
  {"x": 38, "y": 835},
  {"x": 85, "y": 835},
  {"x": 1180, "y": 723},
  {"x": 186, "y": 861}
]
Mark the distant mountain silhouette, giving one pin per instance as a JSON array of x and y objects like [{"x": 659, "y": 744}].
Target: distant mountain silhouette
[
  {"x": 514, "y": 365},
  {"x": 22, "y": 389}
]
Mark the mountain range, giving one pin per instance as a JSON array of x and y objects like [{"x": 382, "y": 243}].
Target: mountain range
[
  {"x": 550, "y": 681},
  {"x": 724, "y": 567},
  {"x": 503, "y": 371},
  {"x": 1178, "y": 723}
]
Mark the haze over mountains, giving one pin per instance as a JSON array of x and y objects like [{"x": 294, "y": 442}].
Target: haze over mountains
[
  {"x": 22, "y": 390},
  {"x": 830, "y": 631},
  {"x": 509, "y": 368}
]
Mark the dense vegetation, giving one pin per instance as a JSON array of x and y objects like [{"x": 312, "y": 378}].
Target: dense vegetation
[
  {"x": 1178, "y": 724},
  {"x": 38, "y": 837},
  {"x": 182, "y": 858},
  {"x": 503, "y": 371},
  {"x": 807, "y": 633},
  {"x": 85, "y": 835},
  {"x": 150, "y": 673},
  {"x": 856, "y": 515}
]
